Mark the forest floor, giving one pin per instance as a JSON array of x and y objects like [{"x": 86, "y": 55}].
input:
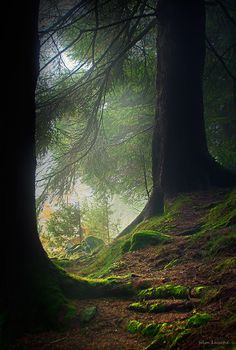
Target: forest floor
[{"x": 196, "y": 257}]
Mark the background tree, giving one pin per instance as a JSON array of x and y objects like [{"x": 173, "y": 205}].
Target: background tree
[
  {"x": 108, "y": 50},
  {"x": 65, "y": 223}
]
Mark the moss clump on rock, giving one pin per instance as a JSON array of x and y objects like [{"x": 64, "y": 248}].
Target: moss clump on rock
[
  {"x": 87, "y": 314},
  {"x": 139, "y": 307},
  {"x": 156, "y": 308},
  {"x": 198, "y": 320},
  {"x": 134, "y": 326},
  {"x": 150, "y": 330},
  {"x": 146, "y": 238},
  {"x": 165, "y": 291}
]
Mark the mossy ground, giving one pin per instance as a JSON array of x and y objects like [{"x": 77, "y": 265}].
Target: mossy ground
[{"x": 194, "y": 267}]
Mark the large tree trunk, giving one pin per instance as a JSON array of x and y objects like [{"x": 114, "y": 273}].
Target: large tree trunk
[
  {"x": 23, "y": 256},
  {"x": 181, "y": 161},
  {"x": 180, "y": 154},
  {"x": 180, "y": 158}
]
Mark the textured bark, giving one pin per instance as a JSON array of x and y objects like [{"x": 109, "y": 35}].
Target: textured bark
[{"x": 180, "y": 158}]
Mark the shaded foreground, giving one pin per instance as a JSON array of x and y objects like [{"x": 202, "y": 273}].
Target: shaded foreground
[{"x": 182, "y": 272}]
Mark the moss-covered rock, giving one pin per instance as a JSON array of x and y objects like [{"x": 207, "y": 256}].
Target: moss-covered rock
[
  {"x": 150, "y": 330},
  {"x": 146, "y": 238},
  {"x": 165, "y": 291},
  {"x": 173, "y": 306},
  {"x": 138, "y": 307},
  {"x": 198, "y": 320},
  {"x": 134, "y": 326},
  {"x": 87, "y": 314},
  {"x": 156, "y": 308}
]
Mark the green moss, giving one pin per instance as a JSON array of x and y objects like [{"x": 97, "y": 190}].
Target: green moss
[
  {"x": 146, "y": 238},
  {"x": 206, "y": 293},
  {"x": 126, "y": 246},
  {"x": 222, "y": 215},
  {"x": 165, "y": 222},
  {"x": 165, "y": 291},
  {"x": 198, "y": 320},
  {"x": 63, "y": 262},
  {"x": 210, "y": 294},
  {"x": 226, "y": 264},
  {"x": 139, "y": 307},
  {"x": 87, "y": 314},
  {"x": 220, "y": 244},
  {"x": 199, "y": 291},
  {"x": 105, "y": 260},
  {"x": 53, "y": 308},
  {"x": 156, "y": 308},
  {"x": 169, "y": 336},
  {"x": 150, "y": 330},
  {"x": 172, "y": 263},
  {"x": 179, "y": 337},
  {"x": 134, "y": 326}
]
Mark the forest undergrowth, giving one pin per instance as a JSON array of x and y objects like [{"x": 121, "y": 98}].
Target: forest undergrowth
[{"x": 178, "y": 274}]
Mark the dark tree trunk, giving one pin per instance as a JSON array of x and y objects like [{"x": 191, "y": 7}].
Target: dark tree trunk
[
  {"x": 180, "y": 154},
  {"x": 181, "y": 161},
  {"x": 23, "y": 255},
  {"x": 180, "y": 158}
]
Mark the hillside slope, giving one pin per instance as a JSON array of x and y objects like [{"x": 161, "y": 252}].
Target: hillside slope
[{"x": 181, "y": 268}]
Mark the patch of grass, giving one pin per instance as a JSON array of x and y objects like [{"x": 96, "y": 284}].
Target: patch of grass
[
  {"x": 198, "y": 320},
  {"x": 63, "y": 262},
  {"x": 221, "y": 216},
  {"x": 134, "y": 326},
  {"x": 172, "y": 263},
  {"x": 231, "y": 304},
  {"x": 220, "y": 244},
  {"x": 164, "y": 223},
  {"x": 81, "y": 287},
  {"x": 139, "y": 307},
  {"x": 165, "y": 291},
  {"x": 105, "y": 260},
  {"x": 146, "y": 238},
  {"x": 226, "y": 264}
]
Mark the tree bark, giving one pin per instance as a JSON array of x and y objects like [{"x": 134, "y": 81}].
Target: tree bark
[
  {"x": 23, "y": 255},
  {"x": 180, "y": 158}
]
